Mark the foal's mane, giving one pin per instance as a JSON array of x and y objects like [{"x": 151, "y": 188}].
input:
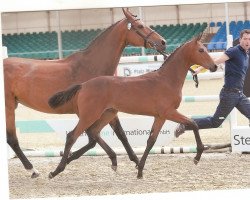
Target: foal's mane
[{"x": 174, "y": 53}]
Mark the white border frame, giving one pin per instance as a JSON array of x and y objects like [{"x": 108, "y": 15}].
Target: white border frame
[{"x": 36, "y": 5}]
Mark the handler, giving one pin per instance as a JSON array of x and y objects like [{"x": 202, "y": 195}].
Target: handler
[{"x": 236, "y": 64}]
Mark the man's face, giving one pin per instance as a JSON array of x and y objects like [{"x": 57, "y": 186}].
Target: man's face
[{"x": 245, "y": 41}]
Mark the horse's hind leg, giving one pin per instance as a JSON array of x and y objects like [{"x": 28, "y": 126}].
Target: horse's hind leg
[
  {"x": 157, "y": 125},
  {"x": 116, "y": 126},
  {"x": 12, "y": 139},
  {"x": 93, "y": 132},
  {"x": 200, "y": 147},
  {"x": 77, "y": 154},
  {"x": 179, "y": 118},
  {"x": 14, "y": 144},
  {"x": 71, "y": 139}
]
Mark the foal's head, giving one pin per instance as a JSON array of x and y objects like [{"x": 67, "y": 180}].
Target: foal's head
[
  {"x": 199, "y": 55},
  {"x": 138, "y": 34}
]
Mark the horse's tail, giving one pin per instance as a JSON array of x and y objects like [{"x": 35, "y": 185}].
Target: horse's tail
[{"x": 62, "y": 97}]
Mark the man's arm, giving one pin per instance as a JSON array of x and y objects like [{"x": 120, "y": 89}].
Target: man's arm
[{"x": 223, "y": 58}]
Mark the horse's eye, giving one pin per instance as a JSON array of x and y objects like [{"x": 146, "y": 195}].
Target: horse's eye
[
  {"x": 201, "y": 50},
  {"x": 140, "y": 26}
]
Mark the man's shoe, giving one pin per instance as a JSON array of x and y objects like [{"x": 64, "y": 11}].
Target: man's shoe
[{"x": 180, "y": 129}]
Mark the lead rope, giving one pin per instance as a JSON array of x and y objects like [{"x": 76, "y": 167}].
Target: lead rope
[{"x": 195, "y": 77}]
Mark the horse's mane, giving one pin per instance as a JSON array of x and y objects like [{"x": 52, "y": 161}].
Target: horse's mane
[
  {"x": 101, "y": 35},
  {"x": 97, "y": 39}
]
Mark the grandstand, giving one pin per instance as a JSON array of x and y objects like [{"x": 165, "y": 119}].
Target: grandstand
[
  {"x": 219, "y": 40},
  {"x": 43, "y": 44}
]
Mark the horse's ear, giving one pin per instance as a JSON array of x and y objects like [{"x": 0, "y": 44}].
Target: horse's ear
[{"x": 127, "y": 13}]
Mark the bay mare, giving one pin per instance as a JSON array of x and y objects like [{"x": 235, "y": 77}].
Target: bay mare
[
  {"x": 156, "y": 94},
  {"x": 31, "y": 82}
]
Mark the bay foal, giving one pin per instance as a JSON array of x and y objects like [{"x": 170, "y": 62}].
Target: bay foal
[{"x": 156, "y": 94}]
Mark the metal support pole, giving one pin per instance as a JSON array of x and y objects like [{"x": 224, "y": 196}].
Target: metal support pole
[
  {"x": 59, "y": 35},
  {"x": 112, "y": 19},
  {"x": 229, "y": 37},
  {"x": 177, "y": 8},
  {"x": 227, "y": 19},
  {"x": 141, "y": 17}
]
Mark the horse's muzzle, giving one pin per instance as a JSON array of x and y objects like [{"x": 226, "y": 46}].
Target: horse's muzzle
[{"x": 214, "y": 68}]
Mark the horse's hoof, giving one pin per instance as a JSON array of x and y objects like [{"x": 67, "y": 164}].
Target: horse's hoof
[
  {"x": 50, "y": 175},
  {"x": 35, "y": 175},
  {"x": 114, "y": 167},
  {"x": 196, "y": 161},
  {"x": 34, "y": 172},
  {"x": 136, "y": 167},
  {"x": 139, "y": 176}
]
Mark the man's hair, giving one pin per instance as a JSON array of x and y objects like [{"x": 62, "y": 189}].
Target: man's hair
[{"x": 247, "y": 31}]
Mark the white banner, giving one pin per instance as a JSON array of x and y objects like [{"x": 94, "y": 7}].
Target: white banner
[
  {"x": 240, "y": 139},
  {"x": 137, "y": 130},
  {"x": 136, "y": 69}
]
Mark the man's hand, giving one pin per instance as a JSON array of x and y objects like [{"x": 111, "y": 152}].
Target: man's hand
[{"x": 198, "y": 70}]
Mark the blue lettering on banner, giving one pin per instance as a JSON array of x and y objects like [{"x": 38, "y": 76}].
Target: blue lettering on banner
[
  {"x": 105, "y": 133},
  {"x": 241, "y": 140},
  {"x": 139, "y": 71},
  {"x": 143, "y": 132}
]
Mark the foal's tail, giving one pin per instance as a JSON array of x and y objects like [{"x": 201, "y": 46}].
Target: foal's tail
[{"x": 62, "y": 97}]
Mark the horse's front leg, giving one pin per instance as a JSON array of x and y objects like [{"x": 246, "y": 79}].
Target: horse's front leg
[
  {"x": 157, "y": 125},
  {"x": 179, "y": 118},
  {"x": 116, "y": 126}
]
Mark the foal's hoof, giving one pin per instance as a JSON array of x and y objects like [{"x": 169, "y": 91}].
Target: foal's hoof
[
  {"x": 35, "y": 175},
  {"x": 136, "y": 167},
  {"x": 196, "y": 161},
  {"x": 114, "y": 167},
  {"x": 50, "y": 175}
]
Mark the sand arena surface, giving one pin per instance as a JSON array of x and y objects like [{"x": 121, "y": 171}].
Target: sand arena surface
[{"x": 163, "y": 173}]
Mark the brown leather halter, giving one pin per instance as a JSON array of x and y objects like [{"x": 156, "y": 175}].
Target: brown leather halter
[{"x": 145, "y": 37}]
